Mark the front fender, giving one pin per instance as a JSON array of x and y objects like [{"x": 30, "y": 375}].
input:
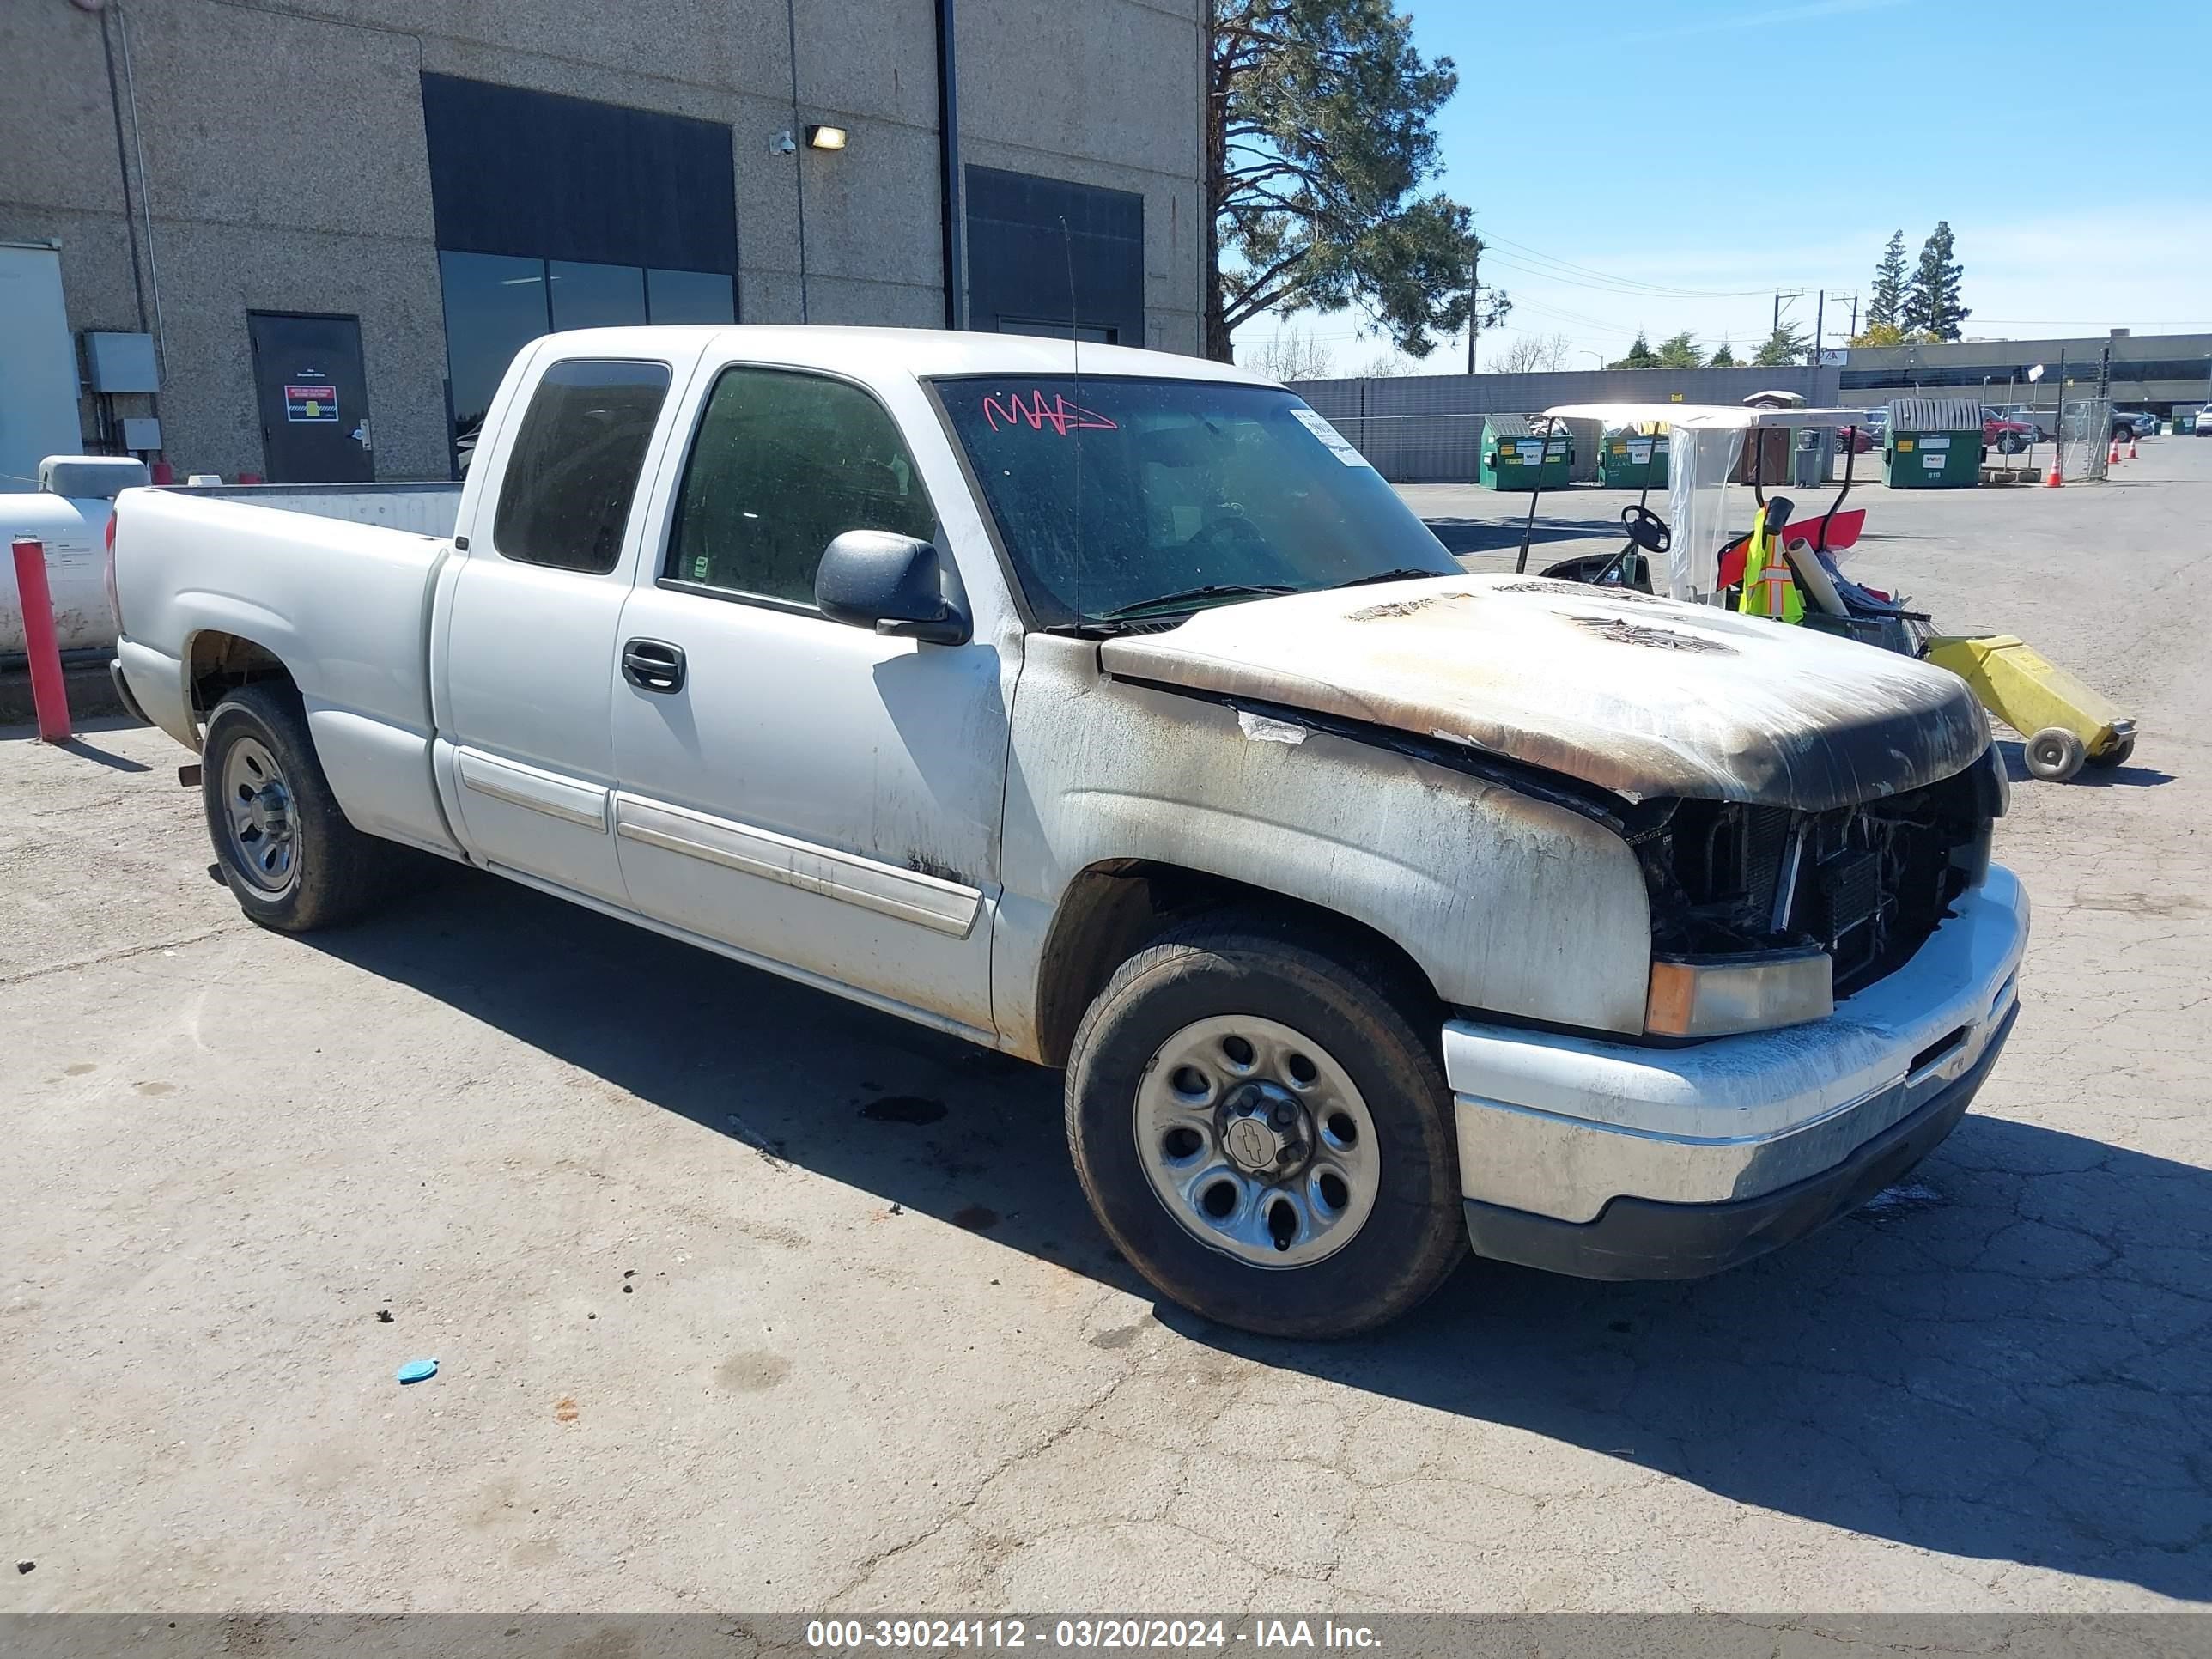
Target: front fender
[{"x": 1508, "y": 904}]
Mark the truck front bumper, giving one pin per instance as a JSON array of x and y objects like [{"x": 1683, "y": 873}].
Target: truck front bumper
[{"x": 1613, "y": 1160}]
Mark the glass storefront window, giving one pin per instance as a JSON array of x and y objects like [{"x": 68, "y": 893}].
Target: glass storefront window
[
  {"x": 690, "y": 296},
  {"x": 494, "y": 306},
  {"x": 596, "y": 296}
]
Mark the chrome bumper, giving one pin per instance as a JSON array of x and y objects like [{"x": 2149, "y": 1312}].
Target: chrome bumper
[{"x": 1558, "y": 1127}]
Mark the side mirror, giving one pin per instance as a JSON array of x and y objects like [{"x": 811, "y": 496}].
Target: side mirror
[{"x": 892, "y": 584}]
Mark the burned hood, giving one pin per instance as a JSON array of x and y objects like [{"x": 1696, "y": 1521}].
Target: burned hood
[{"x": 1640, "y": 695}]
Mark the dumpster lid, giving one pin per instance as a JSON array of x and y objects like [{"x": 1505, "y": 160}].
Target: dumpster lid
[
  {"x": 1508, "y": 426},
  {"x": 1713, "y": 417},
  {"x": 1935, "y": 414}
]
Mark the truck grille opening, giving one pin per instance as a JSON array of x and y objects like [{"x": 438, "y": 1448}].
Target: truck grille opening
[{"x": 1866, "y": 883}]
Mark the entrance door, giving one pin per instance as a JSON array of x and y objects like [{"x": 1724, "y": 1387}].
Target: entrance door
[{"x": 313, "y": 397}]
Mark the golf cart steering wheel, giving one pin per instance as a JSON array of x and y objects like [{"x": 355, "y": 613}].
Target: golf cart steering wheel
[{"x": 1646, "y": 528}]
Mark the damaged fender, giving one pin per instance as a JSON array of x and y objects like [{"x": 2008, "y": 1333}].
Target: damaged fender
[{"x": 1507, "y": 903}]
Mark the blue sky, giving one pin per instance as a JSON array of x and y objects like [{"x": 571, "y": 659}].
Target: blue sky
[{"x": 1672, "y": 172}]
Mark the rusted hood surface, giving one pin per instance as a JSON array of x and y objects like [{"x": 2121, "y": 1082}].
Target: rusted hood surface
[{"x": 1640, "y": 695}]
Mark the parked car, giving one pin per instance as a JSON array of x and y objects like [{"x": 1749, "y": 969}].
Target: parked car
[
  {"x": 2204, "y": 422},
  {"x": 1129, "y": 723},
  {"x": 2037, "y": 420},
  {"x": 2002, "y": 433},
  {"x": 2140, "y": 423}
]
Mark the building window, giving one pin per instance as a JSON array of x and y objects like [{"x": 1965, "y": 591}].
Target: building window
[
  {"x": 1045, "y": 255},
  {"x": 560, "y": 213},
  {"x": 496, "y": 304}
]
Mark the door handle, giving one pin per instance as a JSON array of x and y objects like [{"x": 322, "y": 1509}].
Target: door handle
[{"x": 653, "y": 665}]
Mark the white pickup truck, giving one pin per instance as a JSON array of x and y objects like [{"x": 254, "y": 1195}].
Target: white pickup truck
[{"x": 1118, "y": 715}]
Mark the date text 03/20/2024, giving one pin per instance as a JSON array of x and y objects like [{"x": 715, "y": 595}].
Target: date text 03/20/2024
[{"x": 1170, "y": 1634}]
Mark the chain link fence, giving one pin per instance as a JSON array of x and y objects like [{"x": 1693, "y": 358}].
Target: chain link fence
[{"x": 2085, "y": 440}]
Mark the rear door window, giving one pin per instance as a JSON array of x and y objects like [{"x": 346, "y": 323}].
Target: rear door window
[{"x": 574, "y": 470}]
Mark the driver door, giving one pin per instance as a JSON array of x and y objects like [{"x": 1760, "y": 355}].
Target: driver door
[{"x": 815, "y": 796}]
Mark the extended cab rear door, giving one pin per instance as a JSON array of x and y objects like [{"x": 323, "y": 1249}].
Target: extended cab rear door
[
  {"x": 816, "y": 795},
  {"x": 525, "y": 643}
]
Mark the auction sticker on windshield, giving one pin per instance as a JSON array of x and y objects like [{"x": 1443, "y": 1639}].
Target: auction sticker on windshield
[{"x": 1329, "y": 435}]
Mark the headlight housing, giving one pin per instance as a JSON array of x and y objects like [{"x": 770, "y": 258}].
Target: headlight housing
[{"x": 1756, "y": 991}]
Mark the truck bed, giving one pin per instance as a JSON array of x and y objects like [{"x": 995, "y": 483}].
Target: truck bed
[{"x": 345, "y": 605}]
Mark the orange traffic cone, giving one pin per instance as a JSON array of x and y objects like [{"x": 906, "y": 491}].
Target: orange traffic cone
[
  {"x": 2131, "y": 449},
  {"x": 2112, "y": 459},
  {"x": 2054, "y": 481}
]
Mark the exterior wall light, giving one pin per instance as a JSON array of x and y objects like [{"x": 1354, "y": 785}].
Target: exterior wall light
[{"x": 823, "y": 138}]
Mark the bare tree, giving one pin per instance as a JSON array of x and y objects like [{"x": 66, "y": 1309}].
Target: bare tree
[
  {"x": 1391, "y": 366},
  {"x": 1533, "y": 354},
  {"x": 1289, "y": 356}
]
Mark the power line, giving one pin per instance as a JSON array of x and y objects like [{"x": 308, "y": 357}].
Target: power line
[{"x": 1668, "y": 290}]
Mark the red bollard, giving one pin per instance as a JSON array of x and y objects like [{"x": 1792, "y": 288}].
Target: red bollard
[{"x": 48, "y": 694}]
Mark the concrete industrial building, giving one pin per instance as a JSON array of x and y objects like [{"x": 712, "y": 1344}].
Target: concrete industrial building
[
  {"x": 338, "y": 218},
  {"x": 2165, "y": 374}
]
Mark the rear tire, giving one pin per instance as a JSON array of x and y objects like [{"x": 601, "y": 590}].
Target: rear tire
[
  {"x": 285, "y": 849},
  {"x": 2117, "y": 754},
  {"x": 2054, "y": 754},
  {"x": 1343, "y": 1215}
]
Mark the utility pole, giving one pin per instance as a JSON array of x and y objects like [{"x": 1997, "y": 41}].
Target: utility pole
[
  {"x": 1820, "y": 327},
  {"x": 1855, "y": 316},
  {"x": 1474, "y": 302}
]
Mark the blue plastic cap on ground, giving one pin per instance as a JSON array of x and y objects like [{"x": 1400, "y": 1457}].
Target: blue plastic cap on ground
[{"x": 418, "y": 1371}]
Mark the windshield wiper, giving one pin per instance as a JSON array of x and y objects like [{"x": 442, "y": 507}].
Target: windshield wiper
[
  {"x": 1194, "y": 596},
  {"x": 1404, "y": 573}
]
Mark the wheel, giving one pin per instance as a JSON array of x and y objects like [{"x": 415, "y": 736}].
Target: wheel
[
  {"x": 2054, "y": 754},
  {"x": 1262, "y": 1133},
  {"x": 289, "y": 856},
  {"x": 2117, "y": 754},
  {"x": 2012, "y": 443}
]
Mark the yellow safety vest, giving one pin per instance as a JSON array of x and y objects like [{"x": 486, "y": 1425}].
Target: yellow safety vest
[{"x": 1769, "y": 589}]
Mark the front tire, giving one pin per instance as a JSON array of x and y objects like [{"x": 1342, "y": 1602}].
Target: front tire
[
  {"x": 1263, "y": 1134},
  {"x": 285, "y": 849}
]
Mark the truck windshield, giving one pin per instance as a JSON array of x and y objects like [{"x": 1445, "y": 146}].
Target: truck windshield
[{"x": 1110, "y": 493}]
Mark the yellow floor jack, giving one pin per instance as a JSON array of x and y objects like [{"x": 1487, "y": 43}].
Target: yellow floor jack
[{"x": 2065, "y": 723}]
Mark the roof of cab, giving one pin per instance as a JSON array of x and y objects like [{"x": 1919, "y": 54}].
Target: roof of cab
[{"x": 919, "y": 351}]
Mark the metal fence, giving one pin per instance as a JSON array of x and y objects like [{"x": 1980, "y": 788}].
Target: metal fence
[
  {"x": 1427, "y": 429},
  {"x": 2085, "y": 432}
]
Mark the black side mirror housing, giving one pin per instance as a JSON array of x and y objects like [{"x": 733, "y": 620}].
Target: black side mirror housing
[{"x": 893, "y": 583}]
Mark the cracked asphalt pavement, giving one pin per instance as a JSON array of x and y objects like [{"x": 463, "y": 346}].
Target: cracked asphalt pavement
[{"x": 713, "y": 1335}]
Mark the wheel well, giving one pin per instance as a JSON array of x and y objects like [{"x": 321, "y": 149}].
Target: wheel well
[
  {"x": 1113, "y": 909},
  {"x": 220, "y": 662}
]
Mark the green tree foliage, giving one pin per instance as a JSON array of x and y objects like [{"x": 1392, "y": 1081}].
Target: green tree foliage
[
  {"x": 1931, "y": 300},
  {"x": 1888, "y": 334},
  {"x": 1785, "y": 346},
  {"x": 1640, "y": 355},
  {"x": 1888, "y": 296},
  {"x": 1319, "y": 136},
  {"x": 1722, "y": 357},
  {"x": 1680, "y": 352}
]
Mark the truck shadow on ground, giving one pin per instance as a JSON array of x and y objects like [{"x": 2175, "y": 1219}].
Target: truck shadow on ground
[{"x": 2008, "y": 1360}]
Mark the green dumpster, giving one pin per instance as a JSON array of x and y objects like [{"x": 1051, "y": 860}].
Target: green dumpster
[
  {"x": 1630, "y": 458},
  {"x": 1515, "y": 455},
  {"x": 1932, "y": 443}
]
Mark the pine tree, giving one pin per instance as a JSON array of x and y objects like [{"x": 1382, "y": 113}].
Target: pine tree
[
  {"x": 1931, "y": 301},
  {"x": 1680, "y": 352},
  {"x": 1888, "y": 284},
  {"x": 1640, "y": 355},
  {"x": 1785, "y": 346},
  {"x": 1723, "y": 357}
]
